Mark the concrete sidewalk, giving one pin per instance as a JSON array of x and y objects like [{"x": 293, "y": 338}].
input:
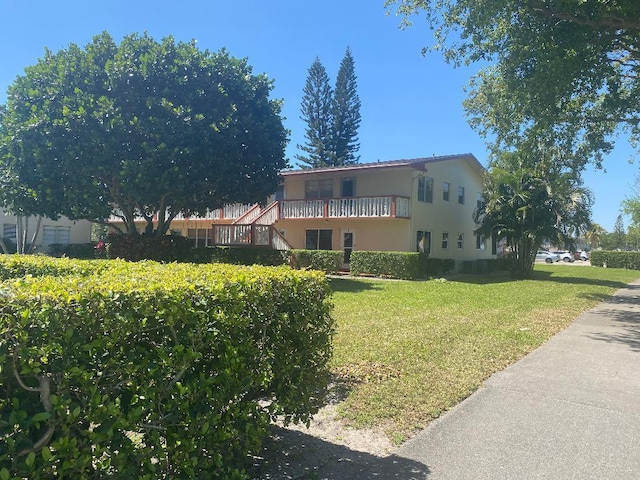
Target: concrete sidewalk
[{"x": 569, "y": 410}]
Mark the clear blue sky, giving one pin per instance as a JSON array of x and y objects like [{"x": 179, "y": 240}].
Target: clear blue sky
[{"x": 411, "y": 105}]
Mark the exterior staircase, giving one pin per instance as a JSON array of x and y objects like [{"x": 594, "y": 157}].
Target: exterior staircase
[{"x": 253, "y": 228}]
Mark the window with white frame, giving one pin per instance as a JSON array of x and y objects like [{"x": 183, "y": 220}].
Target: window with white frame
[
  {"x": 446, "y": 186},
  {"x": 479, "y": 200},
  {"x": 423, "y": 241},
  {"x": 425, "y": 189},
  {"x": 461, "y": 195},
  {"x": 56, "y": 234},
  {"x": 481, "y": 243},
  {"x": 460, "y": 241},
  {"x": 445, "y": 240}
]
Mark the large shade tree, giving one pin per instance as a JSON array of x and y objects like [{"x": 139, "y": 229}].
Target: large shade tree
[
  {"x": 567, "y": 71},
  {"x": 139, "y": 129},
  {"x": 530, "y": 200}
]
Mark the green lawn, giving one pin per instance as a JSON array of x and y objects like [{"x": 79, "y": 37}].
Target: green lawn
[{"x": 407, "y": 351}]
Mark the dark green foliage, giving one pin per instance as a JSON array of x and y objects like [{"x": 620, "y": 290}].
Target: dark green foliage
[
  {"x": 316, "y": 113},
  {"x": 332, "y": 117},
  {"x": 143, "y": 130},
  {"x": 80, "y": 250},
  {"x": 345, "y": 115},
  {"x": 435, "y": 267},
  {"x": 238, "y": 256},
  {"x": 404, "y": 265},
  {"x": 153, "y": 371},
  {"x": 328, "y": 261},
  {"x": 248, "y": 256},
  {"x": 168, "y": 248},
  {"x": 615, "y": 259}
]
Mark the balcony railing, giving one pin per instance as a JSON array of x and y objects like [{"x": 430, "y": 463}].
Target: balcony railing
[{"x": 391, "y": 206}]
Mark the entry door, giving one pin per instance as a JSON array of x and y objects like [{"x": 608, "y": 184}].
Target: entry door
[{"x": 347, "y": 245}]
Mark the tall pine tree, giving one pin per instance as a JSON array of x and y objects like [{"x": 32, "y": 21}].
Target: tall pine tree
[
  {"x": 332, "y": 117},
  {"x": 316, "y": 112},
  {"x": 346, "y": 115}
]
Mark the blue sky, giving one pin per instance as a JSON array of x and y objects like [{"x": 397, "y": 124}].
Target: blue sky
[{"x": 411, "y": 105}]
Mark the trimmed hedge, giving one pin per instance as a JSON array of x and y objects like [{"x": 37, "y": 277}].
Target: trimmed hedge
[
  {"x": 328, "y": 261},
  {"x": 16, "y": 266},
  {"x": 81, "y": 250},
  {"x": 239, "y": 256},
  {"x": 404, "y": 265},
  {"x": 156, "y": 371},
  {"x": 164, "y": 248},
  {"x": 615, "y": 259}
]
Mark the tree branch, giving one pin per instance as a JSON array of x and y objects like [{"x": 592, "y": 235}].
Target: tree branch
[{"x": 44, "y": 388}]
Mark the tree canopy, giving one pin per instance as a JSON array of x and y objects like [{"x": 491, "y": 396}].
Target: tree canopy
[
  {"x": 139, "y": 129},
  {"x": 562, "y": 72}
]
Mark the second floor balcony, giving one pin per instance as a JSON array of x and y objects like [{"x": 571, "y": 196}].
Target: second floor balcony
[{"x": 390, "y": 206}]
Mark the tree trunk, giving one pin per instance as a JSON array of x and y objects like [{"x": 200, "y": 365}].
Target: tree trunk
[{"x": 32, "y": 244}]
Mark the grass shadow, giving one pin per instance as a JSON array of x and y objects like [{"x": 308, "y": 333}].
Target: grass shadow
[
  {"x": 505, "y": 277},
  {"x": 352, "y": 285}
]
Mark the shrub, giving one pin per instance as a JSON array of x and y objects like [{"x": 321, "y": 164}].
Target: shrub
[
  {"x": 247, "y": 256},
  {"x": 328, "y": 261},
  {"x": 16, "y": 266},
  {"x": 163, "y": 248},
  {"x": 405, "y": 265},
  {"x": 80, "y": 250},
  {"x": 615, "y": 259},
  {"x": 156, "y": 371},
  {"x": 436, "y": 267}
]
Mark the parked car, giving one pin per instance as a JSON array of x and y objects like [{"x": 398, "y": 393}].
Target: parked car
[
  {"x": 547, "y": 256},
  {"x": 581, "y": 255},
  {"x": 565, "y": 256}
]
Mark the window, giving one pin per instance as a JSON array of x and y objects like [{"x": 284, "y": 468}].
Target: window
[
  {"x": 9, "y": 231},
  {"x": 348, "y": 187},
  {"x": 461, "y": 195},
  {"x": 425, "y": 189},
  {"x": 423, "y": 241},
  {"x": 445, "y": 191},
  {"x": 318, "y": 188},
  {"x": 460, "y": 241},
  {"x": 445, "y": 240},
  {"x": 61, "y": 235},
  {"x": 318, "y": 239},
  {"x": 199, "y": 236},
  {"x": 479, "y": 201},
  {"x": 480, "y": 242}
]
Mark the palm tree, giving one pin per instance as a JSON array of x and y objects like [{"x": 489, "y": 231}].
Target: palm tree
[{"x": 527, "y": 202}]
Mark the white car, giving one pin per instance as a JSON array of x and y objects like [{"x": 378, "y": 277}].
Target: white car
[
  {"x": 548, "y": 257},
  {"x": 565, "y": 256}
]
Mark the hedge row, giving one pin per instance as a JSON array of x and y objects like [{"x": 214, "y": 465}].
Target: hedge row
[
  {"x": 328, "y": 261},
  {"x": 615, "y": 259},
  {"x": 155, "y": 371},
  {"x": 404, "y": 265}
]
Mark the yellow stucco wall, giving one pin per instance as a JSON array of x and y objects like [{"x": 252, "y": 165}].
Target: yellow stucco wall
[{"x": 393, "y": 234}]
